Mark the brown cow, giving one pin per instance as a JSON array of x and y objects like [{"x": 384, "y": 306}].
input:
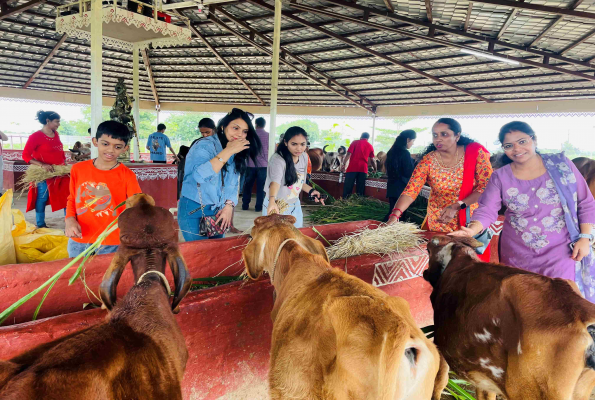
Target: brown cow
[
  {"x": 381, "y": 161},
  {"x": 139, "y": 351},
  {"x": 335, "y": 336},
  {"x": 509, "y": 331},
  {"x": 586, "y": 167},
  {"x": 316, "y": 158}
]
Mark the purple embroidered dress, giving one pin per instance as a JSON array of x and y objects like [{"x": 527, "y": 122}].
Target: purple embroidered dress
[{"x": 535, "y": 236}]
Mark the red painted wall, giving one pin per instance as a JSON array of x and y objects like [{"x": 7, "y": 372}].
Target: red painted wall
[{"x": 227, "y": 331}]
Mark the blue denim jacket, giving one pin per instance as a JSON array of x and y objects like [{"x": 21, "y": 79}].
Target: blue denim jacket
[{"x": 199, "y": 171}]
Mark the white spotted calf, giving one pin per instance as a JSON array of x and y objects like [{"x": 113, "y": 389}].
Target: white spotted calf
[{"x": 510, "y": 332}]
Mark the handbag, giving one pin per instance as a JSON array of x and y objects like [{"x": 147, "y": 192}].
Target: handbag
[
  {"x": 484, "y": 237},
  {"x": 208, "y": 224}
]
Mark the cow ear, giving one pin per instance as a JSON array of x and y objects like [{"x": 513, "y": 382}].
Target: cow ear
[
  {"x": 315, "y": 247},
  {"x": 441, "y": 378},
  {"x": 254, "y": 258},
  {"x": 476, "y": 244}
]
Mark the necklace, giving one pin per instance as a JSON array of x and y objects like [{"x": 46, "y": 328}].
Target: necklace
[
  {"x": 456, "y": 159},
  {"x": 117, "y": 163}
]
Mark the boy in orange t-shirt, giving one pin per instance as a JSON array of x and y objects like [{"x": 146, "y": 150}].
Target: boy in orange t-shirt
[{"x": 97, "y": 187}]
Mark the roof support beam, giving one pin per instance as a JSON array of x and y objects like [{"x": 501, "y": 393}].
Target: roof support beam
[
  {"x": 222, "y": 60},
  {"x": 19, "y": 9},
  {"x": 308, "y": 73},
  {"x": 46, "y": 61},
  {"x": 538, "y": 7},
  {"x": 150, "y": 74},
  {"x": 457, "y": 32},
  {"x": 389, "y": 5},
  {"x": 508, "y": 21},
  {"x": 428, "y": 10},
  {"x": 572, "y": 45},
  {"x": 553, "y": 24},
  {"x": 468, "y": 17},
  {"x": 370, "y": 51}
]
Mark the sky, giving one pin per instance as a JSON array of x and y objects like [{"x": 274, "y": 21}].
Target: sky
[{"x": 552, "y": 131}]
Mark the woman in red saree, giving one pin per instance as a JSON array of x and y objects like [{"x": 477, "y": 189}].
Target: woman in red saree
[
  {"x": 457, "y": 169},
  {"x": 45, "y": 149}
]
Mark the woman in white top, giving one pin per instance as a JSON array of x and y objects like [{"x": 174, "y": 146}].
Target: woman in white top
[{"x": 286, "y": 176}]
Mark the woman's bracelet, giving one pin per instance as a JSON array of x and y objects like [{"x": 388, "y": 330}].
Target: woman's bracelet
[{"x": 396, "y": 216}]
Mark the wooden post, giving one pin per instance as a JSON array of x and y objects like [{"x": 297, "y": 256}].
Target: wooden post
[
  {"x": 275, "y": 77},
  {"x": 96, "y": 67},
  {"x": 136, "y": 105}
]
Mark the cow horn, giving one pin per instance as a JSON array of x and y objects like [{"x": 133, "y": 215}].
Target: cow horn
[
  {"x": 109, "y": 284},
  {"x": 182, "y": 279}
]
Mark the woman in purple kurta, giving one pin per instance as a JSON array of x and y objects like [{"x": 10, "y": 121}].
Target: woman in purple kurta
[{"x": 549, "y": 206}]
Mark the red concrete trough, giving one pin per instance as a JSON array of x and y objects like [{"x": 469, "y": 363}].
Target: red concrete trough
[
  {"x": 227, "y": 328},
  {"x": 205, "y": 258}
]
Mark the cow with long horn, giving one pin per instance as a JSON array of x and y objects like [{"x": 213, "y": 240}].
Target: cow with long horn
[{"x": 139, "y": 351}]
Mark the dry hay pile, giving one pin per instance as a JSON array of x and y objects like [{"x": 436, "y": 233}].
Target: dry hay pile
[
  {"x": 382, "y": 241},
  {"x": 35, "y": 174}
]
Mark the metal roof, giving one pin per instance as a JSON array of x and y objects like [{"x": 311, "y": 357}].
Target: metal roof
[{"x": 369, "y": 54}]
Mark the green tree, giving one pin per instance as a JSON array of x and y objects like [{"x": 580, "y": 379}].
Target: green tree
[
  {"x": 309, "y": 126},
  {"x": 184, "y": 127},
  {"x": 335, "y": 137},
  {"x": 81, "y": 126},
  {"x": 386, "y": 137}
]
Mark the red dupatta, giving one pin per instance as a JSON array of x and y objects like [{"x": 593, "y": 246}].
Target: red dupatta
[{"x": 469, "y": 167}]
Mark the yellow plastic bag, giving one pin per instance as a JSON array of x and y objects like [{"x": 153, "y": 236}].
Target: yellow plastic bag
[
  {"x": 7, "y": 252},
  {"x": 21, "y": 227},
  {"x": 43, "y": 247}
]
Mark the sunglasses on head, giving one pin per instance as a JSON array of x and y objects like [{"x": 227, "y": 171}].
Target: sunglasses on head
[{"x": 250, "y": 115}]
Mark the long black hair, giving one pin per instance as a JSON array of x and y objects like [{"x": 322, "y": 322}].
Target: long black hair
[
  {"x": 513, "y": 126},
  {"x": 402, "y": 139},
  {"x": 43, "y": 116},
  {"x": 454, "y": 126},
  {"x": 290, "y": 172},
  {"x": 240, "y": 159}
]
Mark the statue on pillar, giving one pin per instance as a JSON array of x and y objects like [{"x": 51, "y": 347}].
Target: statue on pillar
[{"x": 121, "y": 112}]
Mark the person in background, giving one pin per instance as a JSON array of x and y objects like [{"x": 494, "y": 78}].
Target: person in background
[
  {"x": 206, "y": 127},
  {"x": 399, "y": 166},
  {"x": 359, "y": 157},
  {"x": 212, "y": 173},
  {"x": 550, "y": 211},
  {"x": 457, "y": 169},
  {"x": 44, "y": 148},
  {"x": 97, "y": 187},
  {"x": 157, "y": 144},
  {"x": 3, "y": 138},
  {"x": 257, "y": 171},
  {"x": 286, "y": 176}
]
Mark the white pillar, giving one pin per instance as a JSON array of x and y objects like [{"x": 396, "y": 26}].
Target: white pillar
[
  {"x": 275, "y": 78},
  {"x": 135, "y": 106},
  {"x": 96, "y": 67},
  {"x": 373, "y": 129}
]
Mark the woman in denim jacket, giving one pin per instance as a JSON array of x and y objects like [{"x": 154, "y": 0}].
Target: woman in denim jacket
[{"x": 213, "y": 168}]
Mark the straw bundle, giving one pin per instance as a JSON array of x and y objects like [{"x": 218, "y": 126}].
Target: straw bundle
[
  {"x": 384, "y": 240},
  {"x": 35, "y": 174},
  {"x": 282, "y": 205}
]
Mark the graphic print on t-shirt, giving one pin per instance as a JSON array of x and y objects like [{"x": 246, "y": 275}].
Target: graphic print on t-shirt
[
  {"x": 296, "y": 188},
  {"x": 156, "y": 145},
  {"x": 95, "y": 198}
]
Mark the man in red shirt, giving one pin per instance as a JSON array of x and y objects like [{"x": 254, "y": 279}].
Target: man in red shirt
[{"x": 359, "y": 157}]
